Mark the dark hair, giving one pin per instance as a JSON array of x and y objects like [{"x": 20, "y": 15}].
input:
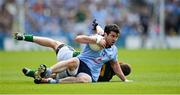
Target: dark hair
[
  {"x": 111, "y": 27},
  {"x": 126, "y": 69}
]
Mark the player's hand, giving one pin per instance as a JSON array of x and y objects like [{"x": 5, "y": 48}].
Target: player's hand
[
  {"x": 128, "y": 80},
  {"x": 94, "y": 24},
  {"x": 102, "y": 43}
]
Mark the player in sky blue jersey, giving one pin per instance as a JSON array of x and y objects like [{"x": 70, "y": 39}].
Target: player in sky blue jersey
[
  {"x": 88, "y": 64},
  {"x": 95, "y": 59}
]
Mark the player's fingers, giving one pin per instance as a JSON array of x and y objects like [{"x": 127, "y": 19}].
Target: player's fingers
[{"x": 128, "y": 80}]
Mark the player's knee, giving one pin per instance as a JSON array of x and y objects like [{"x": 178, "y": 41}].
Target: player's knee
[
  {"x": 73, "y": 64},
  {"x": 84, "y": 78}
]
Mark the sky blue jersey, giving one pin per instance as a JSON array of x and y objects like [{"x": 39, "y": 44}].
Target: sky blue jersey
[{"x": 95, "y": 59}]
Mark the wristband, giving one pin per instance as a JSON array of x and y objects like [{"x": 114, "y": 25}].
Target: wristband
[{"x": 98, "y": 39}]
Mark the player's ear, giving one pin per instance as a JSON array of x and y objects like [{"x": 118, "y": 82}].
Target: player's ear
[{"x": 105, "y": 34}]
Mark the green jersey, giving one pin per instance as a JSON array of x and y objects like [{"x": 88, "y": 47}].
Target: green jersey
[{"x": 106, "y": 73}]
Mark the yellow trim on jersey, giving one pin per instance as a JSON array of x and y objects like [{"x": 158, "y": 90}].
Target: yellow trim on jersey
[{"x": 103, "y": 70}]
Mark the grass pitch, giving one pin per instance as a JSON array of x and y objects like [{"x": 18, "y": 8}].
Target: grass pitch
[{"x": 153, "y": 72}]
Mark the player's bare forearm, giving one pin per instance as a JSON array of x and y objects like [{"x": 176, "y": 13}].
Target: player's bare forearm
[
  {"x": 85, "y": 39},
  {"x": 118, "y": 71}
]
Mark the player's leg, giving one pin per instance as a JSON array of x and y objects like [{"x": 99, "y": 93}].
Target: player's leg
[
  {"x": 70, "y": 64},
  {"x": 80, "y": 78},
  {"x": 47, "y": 42}
]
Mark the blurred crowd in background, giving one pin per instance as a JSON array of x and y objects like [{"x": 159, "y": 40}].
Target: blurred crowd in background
[{"x": 67, "y": 18}]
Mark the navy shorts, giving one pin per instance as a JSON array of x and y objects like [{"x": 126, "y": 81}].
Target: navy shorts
[{"x": 85, "y": 69}]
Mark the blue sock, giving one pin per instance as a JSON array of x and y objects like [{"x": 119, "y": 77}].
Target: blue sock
[
  {"x": 53, "y": 81},
  {"x": 48, "y": 72}
]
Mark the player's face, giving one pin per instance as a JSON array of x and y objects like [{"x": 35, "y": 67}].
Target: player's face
[{"x": 111, "y": 38}]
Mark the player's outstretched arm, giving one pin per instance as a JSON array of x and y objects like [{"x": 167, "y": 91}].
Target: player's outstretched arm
[{"x": 97, "y": 28}]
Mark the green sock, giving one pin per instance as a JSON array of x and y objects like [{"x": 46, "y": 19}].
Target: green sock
[
  {"x": 30, "y": 73},
  {"x": 28, "y": 38},
  {"x": 76, "y": 53}
]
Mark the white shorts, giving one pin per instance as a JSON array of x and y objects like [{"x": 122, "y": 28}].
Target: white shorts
[{"x": 65, "y": 53}]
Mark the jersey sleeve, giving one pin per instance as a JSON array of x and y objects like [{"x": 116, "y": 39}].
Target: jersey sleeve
[{"x": 115, "y": 55}]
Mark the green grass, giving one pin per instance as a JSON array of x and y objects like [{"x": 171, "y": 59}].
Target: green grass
[{"x": 153, "y": 72}]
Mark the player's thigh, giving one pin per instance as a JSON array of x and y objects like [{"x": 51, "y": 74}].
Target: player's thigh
[
  {"x": 83, "y": 77},
  {"x": 64, "y": 53}
]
